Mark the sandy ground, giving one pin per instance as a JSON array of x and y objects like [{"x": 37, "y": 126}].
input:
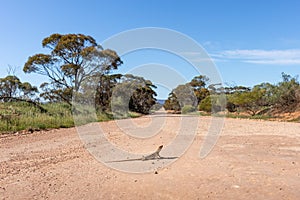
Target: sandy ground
[{"x": 251, "y": 160}]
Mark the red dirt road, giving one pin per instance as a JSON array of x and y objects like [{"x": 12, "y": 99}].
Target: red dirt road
[{"x": 251, "y": 160}]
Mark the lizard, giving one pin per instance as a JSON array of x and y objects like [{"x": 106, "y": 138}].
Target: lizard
[{"x": 152, "y": 156}]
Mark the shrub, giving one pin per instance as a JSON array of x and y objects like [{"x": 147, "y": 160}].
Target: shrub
[
  {"x": 188, "y": 109},
  {"x": 205, "y": 104}
]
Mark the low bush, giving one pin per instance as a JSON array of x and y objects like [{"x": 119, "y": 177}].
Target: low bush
[{"x": 188, "y": 109}]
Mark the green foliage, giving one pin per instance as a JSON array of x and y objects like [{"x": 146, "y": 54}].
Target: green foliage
[
  {"x": 104, "y": 90},
  {"x": 212, "y": 104},
  {"x": 185, "y": 95},
  {"x": 197, "y": 93},
  {"x": 188, "y": 109},
  {"x": 58, "y": 94},
  {"x": 73, "y": 59},
  {"x": 283, "y": 97},
  {"x": 287, "y": 93},
  {"x": 142, "y": 100},
  {"x": 205, "y": 104},
  {"x": 242, "y": 116},
  {"x": 11, "y": 86},
  {"x": 248, "y": 101},
  {"x": 172, "y": 103},
  {"x": 16, "y": 116},
  {"x": 181, "y": 96},
  {"x": 252, "y": 101},
  {"x": 198, "y": 83},
  {"x": 133, "y": 93},
  {"x": 143, "y": 97},
  {"x": 268, "y": 90},
  {"x": 201, "y": 94},
  {"x": 79, "y": 68}
]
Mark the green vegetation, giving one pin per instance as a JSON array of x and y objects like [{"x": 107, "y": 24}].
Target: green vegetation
[
  {"x": 12, "y": 87},
  {"x": 16, "y": 116},
  {"x": 263, "y": 101},
  {"x": 267, "y": 99},
  {"x": 188, "y": 109},
  {"x": 80, "y": 81},
  {"x": 206, "y": 104},
  {"x": 73, "y": 59},
  {"x": 82, "y": 86}
]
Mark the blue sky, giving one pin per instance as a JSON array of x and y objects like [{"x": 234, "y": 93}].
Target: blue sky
[{"x": 250, "y": 41}]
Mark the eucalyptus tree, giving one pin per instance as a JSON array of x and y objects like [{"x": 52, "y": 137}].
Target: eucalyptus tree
[
  {"x": 73, "y": 59},
  {"x": 133, "y": 93},
  {"x": 11, "y": 87},
  {"x": 199, "y": 83}
]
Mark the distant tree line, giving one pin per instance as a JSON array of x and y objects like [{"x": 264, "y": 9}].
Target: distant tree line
[
  {"x": 74, "y": 60},
  {"x": 77, "y": 64},
  {"x": 260, "y": 99}
]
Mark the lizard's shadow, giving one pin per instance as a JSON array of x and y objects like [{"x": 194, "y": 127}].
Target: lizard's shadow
[
  {"x": 162, "y": 158},
  {"x": 153, "y": 156}
]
